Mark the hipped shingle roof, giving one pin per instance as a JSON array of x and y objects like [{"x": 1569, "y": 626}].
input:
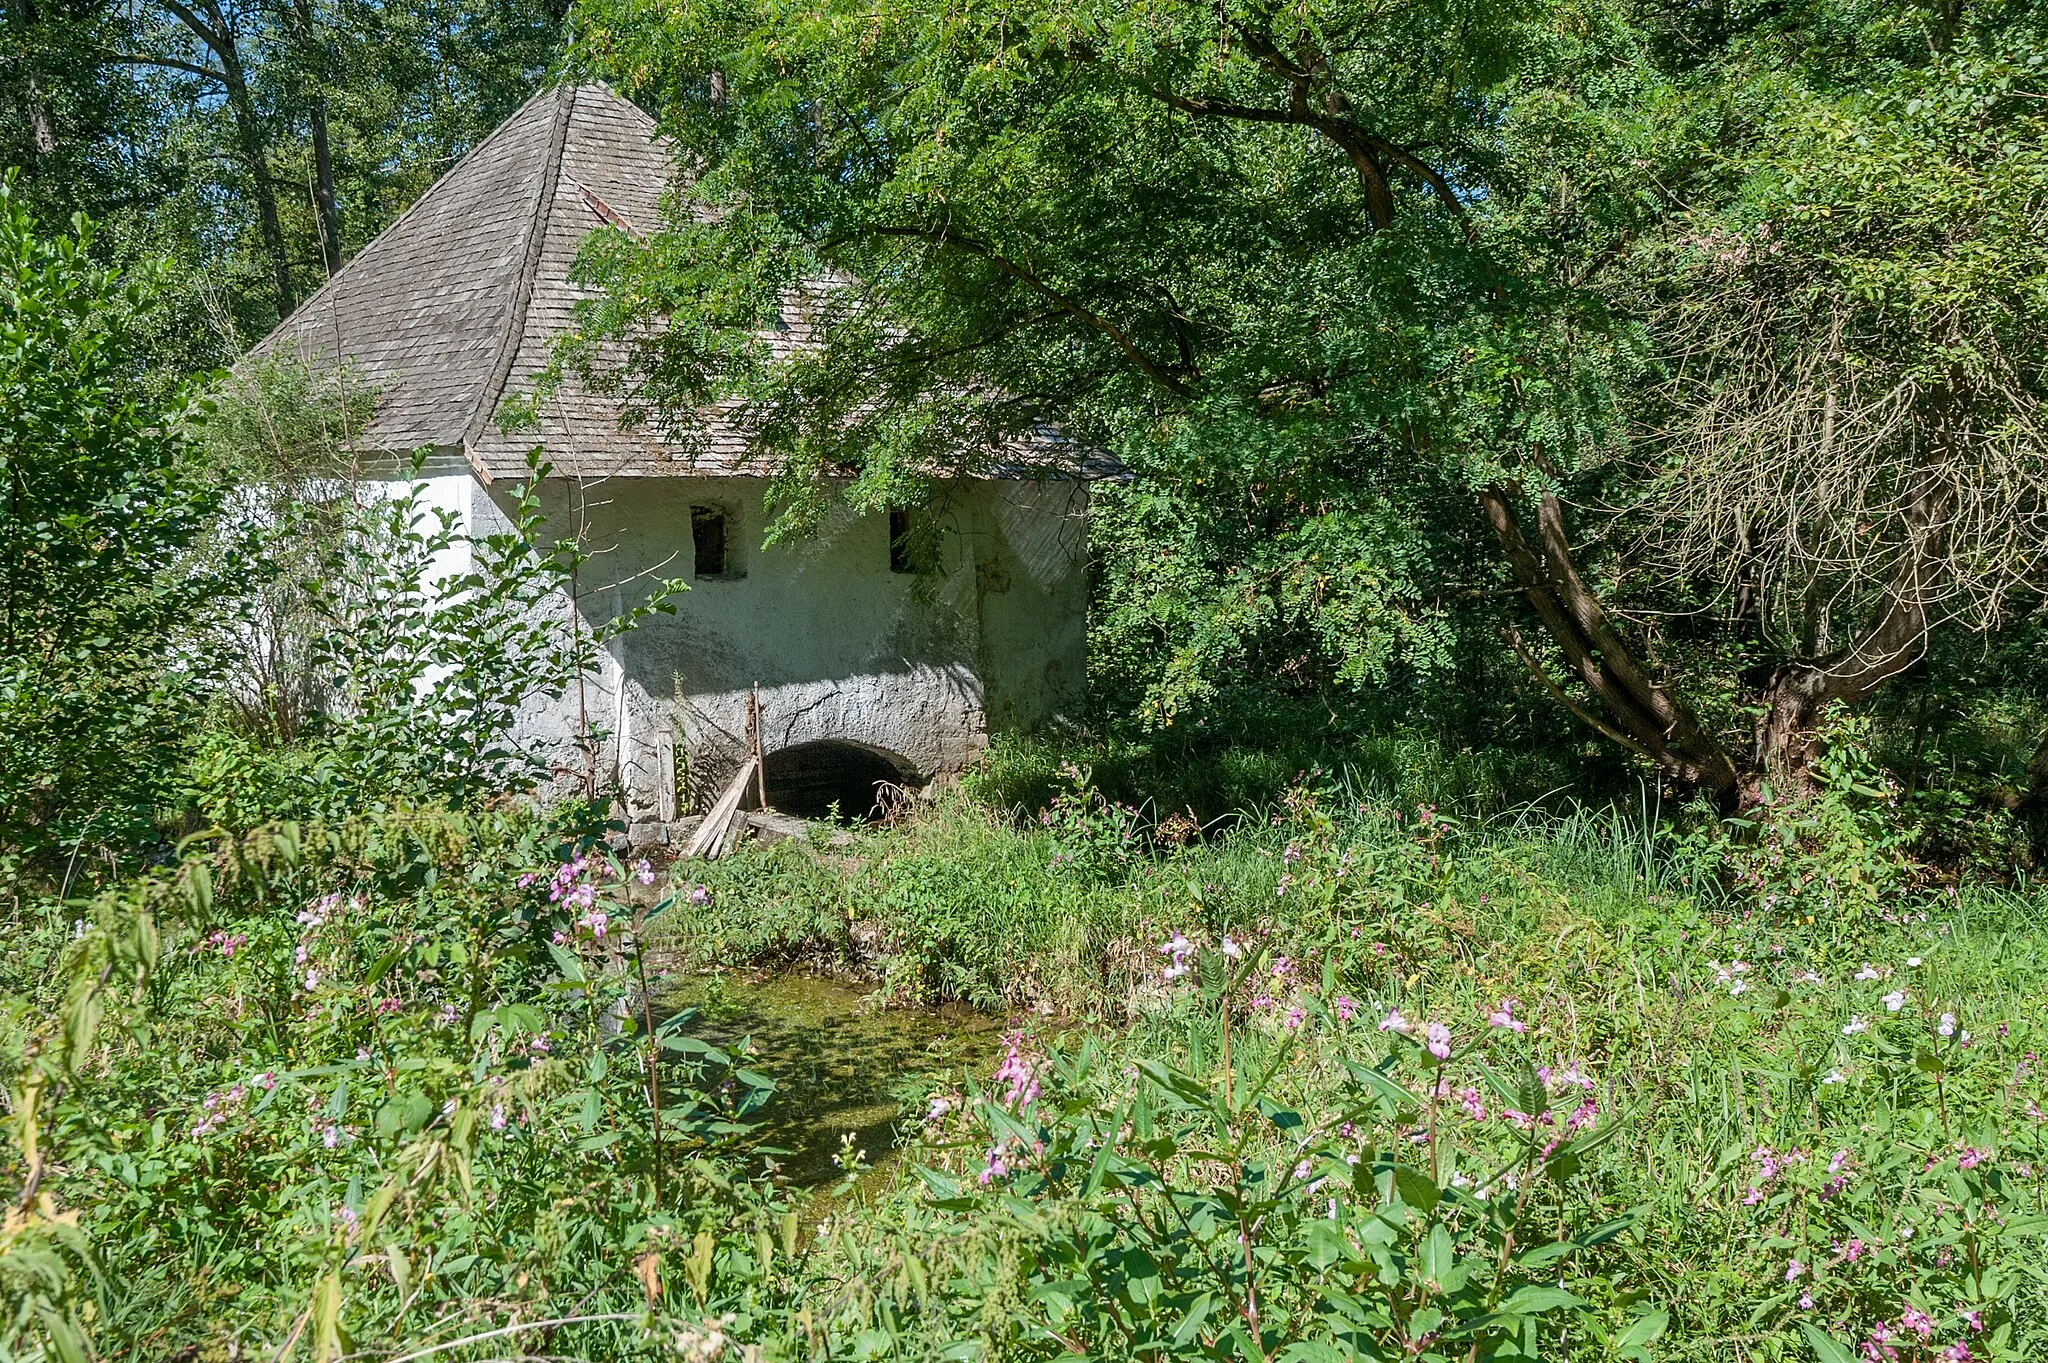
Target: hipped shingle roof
[{"x": 458, "y": 304}]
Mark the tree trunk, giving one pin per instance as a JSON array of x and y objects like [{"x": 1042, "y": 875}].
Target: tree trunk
[
  {"x": 1798, "y": 695},
  {"x": 42, "y": 127},
  {"x": 1649, "y": 719},
  {"x": 323, "y": 192},
  {"x": 1641, "y": 714},
  {"x": 313, "y": 60},
  {"x": 219, "y": 36},
  {"x": 256, "y": 159},
  {"x": 2033, "y": 806}
]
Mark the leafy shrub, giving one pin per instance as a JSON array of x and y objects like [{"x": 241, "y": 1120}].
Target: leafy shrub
[
  {"x": 407, "y": 1099},
  {"x": 1193, "y": 1212},
  {"x": 104, "y": 497},
  {"x": 1839, "y": 850},
  {"x": 427, "y": 670}
]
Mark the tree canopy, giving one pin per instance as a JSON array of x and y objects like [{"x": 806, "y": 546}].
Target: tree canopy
[{"x": 1747, "y": 291}]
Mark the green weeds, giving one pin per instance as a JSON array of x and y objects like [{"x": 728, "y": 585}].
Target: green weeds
[{"x": 1809, "y": 1119}]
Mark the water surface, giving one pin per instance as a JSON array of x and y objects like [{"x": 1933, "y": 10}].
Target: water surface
[{"x": 839, "y": 1064}]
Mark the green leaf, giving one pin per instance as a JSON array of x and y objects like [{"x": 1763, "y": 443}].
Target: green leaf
[
  {"x": 1439, "y": 1255},
  {"x": 566, "y": 961},
  {"x": 1547, "y": 1253},
  {"x": 1192, "y": 1321},
  {"x": 1392, "y": 1096},
  {"x": 1181, "y": 1086},
  {"x": 382, "y": 967},
  {"x": 1825, "y": 1348},
  {"x": 1533, "y": 1299},
  {"x": 1416, "y": 1188},
  {"x": 1642, "y": 1331}
]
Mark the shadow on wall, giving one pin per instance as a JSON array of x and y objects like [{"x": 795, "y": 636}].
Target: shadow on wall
[{"x": 807, "y": 780}]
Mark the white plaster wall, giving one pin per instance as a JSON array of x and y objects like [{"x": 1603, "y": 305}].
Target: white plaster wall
[
  {"x": 453, "y": 494},
  {"x": 920, "y": 667}
]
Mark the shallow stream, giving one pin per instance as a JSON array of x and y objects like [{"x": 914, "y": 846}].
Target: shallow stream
[{"x": 839, "y": 1064}]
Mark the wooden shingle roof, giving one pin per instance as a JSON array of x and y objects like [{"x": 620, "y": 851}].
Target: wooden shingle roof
[
  {"x": 457, "y": 306},
  {"x": 458, "y": 303}
]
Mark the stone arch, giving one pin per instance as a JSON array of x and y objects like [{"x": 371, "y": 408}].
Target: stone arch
[{"x": 807, "y": 779}]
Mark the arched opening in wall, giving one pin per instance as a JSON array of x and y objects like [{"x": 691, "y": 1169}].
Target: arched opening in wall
[{"x": 808, "y": 779}]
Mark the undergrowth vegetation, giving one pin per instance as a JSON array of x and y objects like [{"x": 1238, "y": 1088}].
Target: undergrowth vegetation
[{"x": 1390, "y": 1071}]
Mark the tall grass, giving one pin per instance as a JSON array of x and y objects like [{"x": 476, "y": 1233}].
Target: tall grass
[{"x": 1623, "y": 959}]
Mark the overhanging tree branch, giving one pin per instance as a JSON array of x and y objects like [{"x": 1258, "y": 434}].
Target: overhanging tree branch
[
  {"x": 1150, "y": 367},
  {"x": 169, "y": 63}
]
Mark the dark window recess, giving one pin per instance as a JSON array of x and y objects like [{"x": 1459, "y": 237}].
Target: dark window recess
[
  {"x": 899, "y": 543},
  {"x": 707, "y": 532}
]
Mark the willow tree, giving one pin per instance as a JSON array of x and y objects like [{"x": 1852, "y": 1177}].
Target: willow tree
[{"x": 1261, "y": 251}]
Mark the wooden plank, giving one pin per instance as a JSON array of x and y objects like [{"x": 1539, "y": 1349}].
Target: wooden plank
[
  {"x": 709, "y": 838},
  {"x": 665, "y": 774}
]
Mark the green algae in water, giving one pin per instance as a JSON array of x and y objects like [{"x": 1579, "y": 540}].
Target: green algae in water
[{"x": 839, "y": 1064}]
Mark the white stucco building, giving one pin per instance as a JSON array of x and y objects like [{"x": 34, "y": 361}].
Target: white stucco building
[{"x": 866, "y": 670}]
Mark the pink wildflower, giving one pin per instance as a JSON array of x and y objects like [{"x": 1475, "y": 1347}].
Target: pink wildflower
[
  {"x": 1970, "y": 1158},
  {"x": 1437, "y": 1040},
  {"x": 1020, "y": 1073},
  {"x": 1294, "y": 1016},
  {"x": 1347, "y": 1008},
  {"x": 1918, "y": 1321},
  {"x": 1503, "y": 1016}
]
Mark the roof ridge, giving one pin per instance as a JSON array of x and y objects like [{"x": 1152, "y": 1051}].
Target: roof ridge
[
  {"x": 514, "y": 329},
  {"x": 409, "y": 211}
]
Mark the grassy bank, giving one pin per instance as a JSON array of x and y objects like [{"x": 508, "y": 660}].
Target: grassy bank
[{"x": 1736, "y": 1118}]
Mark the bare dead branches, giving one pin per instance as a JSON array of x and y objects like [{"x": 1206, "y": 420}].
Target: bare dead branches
[{"x": 1814, "y": 482}]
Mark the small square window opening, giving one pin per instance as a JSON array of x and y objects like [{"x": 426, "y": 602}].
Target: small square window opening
[
  {"x": 707, "y": 535},
  {"x": 899, "y": 543}
]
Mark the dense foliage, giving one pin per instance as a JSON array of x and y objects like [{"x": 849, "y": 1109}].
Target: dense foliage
[
  {"x": 1546, "y": 869},
  {"x": 104, "y": 497},
  {"x": 1394, "y": 308}
]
